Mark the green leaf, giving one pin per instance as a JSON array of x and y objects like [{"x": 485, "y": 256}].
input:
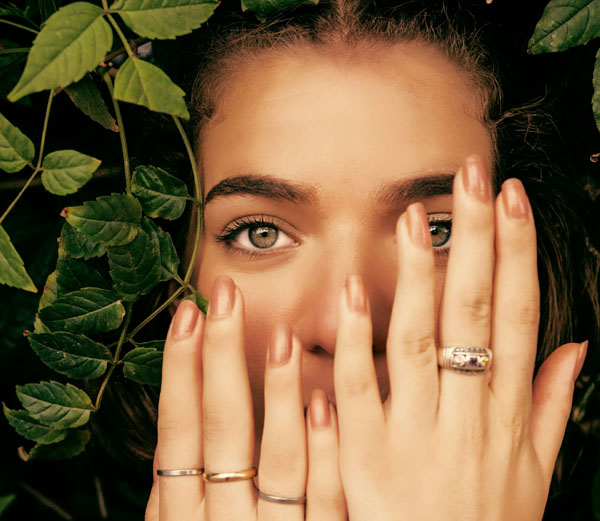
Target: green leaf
[
  {"x": 16, "y": 149},
  {"x": 32, "y": 429},
  {"x": 164, "y": 19},
  {"x": 88, "y": 311},
  {"x": 50, "y": 292},
  {"x": 73, "y": 41},
  {"x": 266, "y": 8},
  {"x": 169, "y": 261},
  {"x": 55, "y": 404},
  {"x": 87, "y": 98},
  {"x": 112, "y": 220},
  {"x": 565, "y": 24},
  {"x": 200, "y": 300},
  {"x": 161, "y": 194},
  {"x": 73, "y": 355},
  {"x": 73, "y": 275},
  {"x": 66, "y": 171},
  {"x": 73, "y": 445},
  {"x": 152, "y": 344},
  {"x": 143, "y": 365},
  {"x": 5, "y": 501},
  {"x": 75, "y": 244},
  {"x": 135, "y": 267},
  {"x": 145, "y": 84},
  {"x": 12, "y": 269}
]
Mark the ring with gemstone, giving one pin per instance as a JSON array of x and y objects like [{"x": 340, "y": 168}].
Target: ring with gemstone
[{"x": 465, "y": 360}]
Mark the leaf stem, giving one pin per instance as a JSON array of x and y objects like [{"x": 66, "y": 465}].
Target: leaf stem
[
  {"x": 45, "y": 500},
  {"x": 14, "y": 24},
  {"x": 160, "y": 308},
  {"x": 14, "y": 50},
  {"x": 115, "y": 25},
  {"x": 126, "y": 169},
  {"x": 116, "y": 355},
  {"x": 198, "y": 196},
  {"x": 38, "y": 166}
]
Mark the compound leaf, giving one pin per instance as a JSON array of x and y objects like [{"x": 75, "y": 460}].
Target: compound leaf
[
  {"x": 145, "y": 84},
  {"x": 143, "y": 365},
  {"x": 160, "y": 194},
  {"x": 565, "y": 24},
  {"x": 66, "y": 171},
  {"x": 73, "y": 41},
  {"x": 32, "y": 429},
  {"x": 266, "y": 8},
  {"x": 55, "y": 404},
  {"x": 16, "y": 149},
  {"x": 73, "y": 445},
  {"x": 169, "y": 261},
  {"x": 164, "y": 19},
  {"x": 88, "y": 311},
  {"x": 12, "y": 269},
  {"x": 111, "y": 220},
  {"x": 50, "y": 292},
  {"x": 87, "y": 98},
  {"x": 75, "y": 244},
  {"x": 73, "y": 275}
]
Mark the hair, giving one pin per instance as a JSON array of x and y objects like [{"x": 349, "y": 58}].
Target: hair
[{"x": 526, "y": 145}]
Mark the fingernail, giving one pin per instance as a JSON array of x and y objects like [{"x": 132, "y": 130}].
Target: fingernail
[
  {"x": 280, "y": 345},
  {"x": 514, "y": 199},
  {"x": 320, "y": 415},
  {"x": 475, "y": 178},
  {"x": 580, "y": 359},
  {"x": 418, "y": 225},
  {"x": 185, "y": 319},
  {"x": 221, "y": 296},
  {"x": 355, "y": 292}
]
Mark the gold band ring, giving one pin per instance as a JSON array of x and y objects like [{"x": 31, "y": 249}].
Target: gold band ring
[{"x": 224, "y": 477}]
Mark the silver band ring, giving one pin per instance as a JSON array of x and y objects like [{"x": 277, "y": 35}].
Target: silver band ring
[
  {"x": 281, "y": 500},
  {"x": 465, "y": 360},
  {"x": 179, "y": 472}
]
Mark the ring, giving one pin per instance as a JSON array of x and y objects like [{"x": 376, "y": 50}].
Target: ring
[
  {"x": 282, "y": 500},
  {"x": 224, "y": 477},
  {"x": 466, "y": 360},
  {"x": 179, "y": 472}
]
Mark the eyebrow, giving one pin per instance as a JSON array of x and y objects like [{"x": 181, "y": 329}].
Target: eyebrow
[{"x": 422, "y": 186}]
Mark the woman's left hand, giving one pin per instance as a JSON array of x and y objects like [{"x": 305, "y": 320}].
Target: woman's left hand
[{"x": 447, "y": 445}]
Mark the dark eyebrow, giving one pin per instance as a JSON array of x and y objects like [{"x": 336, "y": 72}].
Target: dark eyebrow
[
  {"x": 415, "y": 188},
  {"x": 263, "y": 186}
]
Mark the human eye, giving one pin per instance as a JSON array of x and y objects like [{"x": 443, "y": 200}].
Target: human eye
[
  {"x": 440, "y": 229},
  {"x": 256, "y": 235}
]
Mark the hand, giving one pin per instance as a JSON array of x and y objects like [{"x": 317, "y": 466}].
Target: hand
[
  {"x": 205, "y": 419},
  {"x": 447, "y": 445}
]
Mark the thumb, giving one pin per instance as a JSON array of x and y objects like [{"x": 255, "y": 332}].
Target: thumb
[{"x": 552, "y": 399}]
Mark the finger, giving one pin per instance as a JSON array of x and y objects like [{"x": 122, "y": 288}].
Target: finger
[
  {"x": 180, "y": 415},
  {"x": 227, "y": 405},
  {"x": 324, "y": 493},
  {"x": 360, "y": 411},
  {"x": 467, "y": 296},
  {"x": 411, "y": 353},
  {"x": 516, "y": 300},
  {"x": 552, "y": 398},
  {"x": 282, "y": 468}
]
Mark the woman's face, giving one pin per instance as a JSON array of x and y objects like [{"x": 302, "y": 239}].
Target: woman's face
[{"x": 307, "y": 166}]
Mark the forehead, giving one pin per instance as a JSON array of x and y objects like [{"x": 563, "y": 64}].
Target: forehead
[{"x": 324, "y": 118}]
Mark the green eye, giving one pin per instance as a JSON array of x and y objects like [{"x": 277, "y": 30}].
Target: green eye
[
  {"x": 263, "y": 236},
  {"x": 440, "y": 234}
]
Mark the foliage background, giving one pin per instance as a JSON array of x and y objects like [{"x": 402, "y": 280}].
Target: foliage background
[{"x": 93, "y": 486}]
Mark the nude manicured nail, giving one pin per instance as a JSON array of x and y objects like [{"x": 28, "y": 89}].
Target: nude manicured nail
[
  {"x": 580, "y": 359},
  {"x": 320, "y": 415},
  {"x": 221, "y": 296},
  {"x": 515, "y": 199},
  {"x": 476, "y": 179},
  {"x": 185, "y": 319},
  {"x": 418, "y": 226},
  {"x": 355, "y": 292},
  {"x": 280, "y": 345}
]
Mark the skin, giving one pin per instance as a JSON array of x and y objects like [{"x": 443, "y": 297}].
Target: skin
[{"x": 356, "y": 289}]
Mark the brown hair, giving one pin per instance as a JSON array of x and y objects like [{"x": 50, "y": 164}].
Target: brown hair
[{"x": 523, "y": 137}]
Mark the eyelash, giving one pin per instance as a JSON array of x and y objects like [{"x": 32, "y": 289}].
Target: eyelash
[{"x": 235, "y": 228}]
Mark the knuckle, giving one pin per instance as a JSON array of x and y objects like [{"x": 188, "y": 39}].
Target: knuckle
[
  {"x": 418, "y": 345},
  {"x": 527, "y": 314},
  {"x": 170, "y": 429},
  {"x": 356, "y": 386},
  {"x": 217, "y": 423},
  {"x": 476, "y": 305}
]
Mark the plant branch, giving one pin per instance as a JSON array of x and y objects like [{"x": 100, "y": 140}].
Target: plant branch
[
  {"x": 151, "y": 317},
  {"x": 45, "y": 500},
  {"x": 115, "y": 25},
  {"x": 116, "y": 355},
  {"x": 126, "y": 169},
  {"x": 197, "y": 195},
  {"x": 14, "y": 50},
  {"x": 14, "y": 24}
]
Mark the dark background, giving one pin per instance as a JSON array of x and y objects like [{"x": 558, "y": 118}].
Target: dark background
[{"x": 74, "y": 486}]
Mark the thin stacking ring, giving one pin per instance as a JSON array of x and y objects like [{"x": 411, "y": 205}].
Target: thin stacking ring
[
  {"x": 465, "y": 360},
  {"x": 281, "y": 500},
  {"x": 179, "y": 472},
  {"x": 224, "y": 477}
]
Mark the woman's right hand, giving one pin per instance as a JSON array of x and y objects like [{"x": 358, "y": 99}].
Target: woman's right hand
[{"x": 205, "y": 420}]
